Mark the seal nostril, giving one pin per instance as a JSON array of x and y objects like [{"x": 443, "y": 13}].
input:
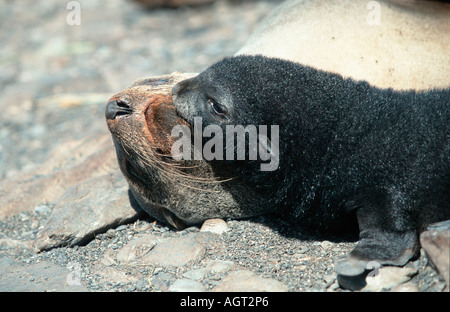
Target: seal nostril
[
  {"x": 122, "y": 104},
  {"x": 116, "y": 108}
]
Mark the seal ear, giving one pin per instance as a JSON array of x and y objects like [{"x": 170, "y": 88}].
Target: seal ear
[
  {"x": 180, "y": 87},
  {"x": 185, "y": 85}
]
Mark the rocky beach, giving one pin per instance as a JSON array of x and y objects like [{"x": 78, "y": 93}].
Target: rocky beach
[{"x": 66, "y": 220}]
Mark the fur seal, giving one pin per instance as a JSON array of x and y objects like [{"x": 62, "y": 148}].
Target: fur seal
[
  {"x": 183, "y": 192},
  {"x": 346, "y": 149},
  {"x": 399, "y": 44}
]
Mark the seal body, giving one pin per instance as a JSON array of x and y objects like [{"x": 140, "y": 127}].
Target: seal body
[
  {"x": 349, "y": 153},
  {"x": 346, "y": 148},
  {"x": 399, "y": 44}
]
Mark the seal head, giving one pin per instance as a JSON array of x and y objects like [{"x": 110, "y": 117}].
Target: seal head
[{"x": 178, "y": 192}]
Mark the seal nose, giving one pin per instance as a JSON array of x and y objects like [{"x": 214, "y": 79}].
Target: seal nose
[{"x": 116, "y": 108}]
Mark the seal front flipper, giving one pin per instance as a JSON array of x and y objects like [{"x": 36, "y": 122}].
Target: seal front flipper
[
  {"x": 374, "y": 250},
  {"x": 378, "y": 248},
  {"x": 386, "y": 237}
]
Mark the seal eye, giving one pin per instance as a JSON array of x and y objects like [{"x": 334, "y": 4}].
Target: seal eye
[{"x": 217, "y": 108}]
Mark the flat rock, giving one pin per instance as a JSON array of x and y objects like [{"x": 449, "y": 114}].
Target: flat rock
[
  {"x": 388, "y": 278},
  {"x": 83, "y": 183},
  {"x": 436, "y": 243},
  {"x": 187, "y": 285},
  {"x": 196, "y": 274},
  {"x": 13, "y": 243},
  {"x": 69, "y": 164},
  {"x": 406, "y": 287},
  {"x": 219, "y": 266},
  {"x": 162, "y": 281},
  {"x": 247, "y": 281},
  {"x": 112, "y": 274},
  {"x": 37, "y": 277},
  {"x": 90, "y": 207},
  {"x": 175, "y": 251},
  {"x": 212, "y": 266},
  {"x": 137, "y": 248}
]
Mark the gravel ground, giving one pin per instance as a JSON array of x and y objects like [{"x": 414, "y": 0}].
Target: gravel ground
[
  {"x": 268, "y": 247},
  {"x": 116, "y": 43}
]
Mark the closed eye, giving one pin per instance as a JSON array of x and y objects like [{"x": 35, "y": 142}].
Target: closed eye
[{"x": 217, "y": 108}]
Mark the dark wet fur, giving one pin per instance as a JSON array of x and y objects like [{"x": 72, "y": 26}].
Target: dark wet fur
[{"x": 346, "y": 148}]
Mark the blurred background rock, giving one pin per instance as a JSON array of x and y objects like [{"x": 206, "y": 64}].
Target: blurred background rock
[{"x": 55, "y": 78}]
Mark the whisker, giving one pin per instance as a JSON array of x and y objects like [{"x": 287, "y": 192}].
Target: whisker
[{"x": 171, "y": 169}]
